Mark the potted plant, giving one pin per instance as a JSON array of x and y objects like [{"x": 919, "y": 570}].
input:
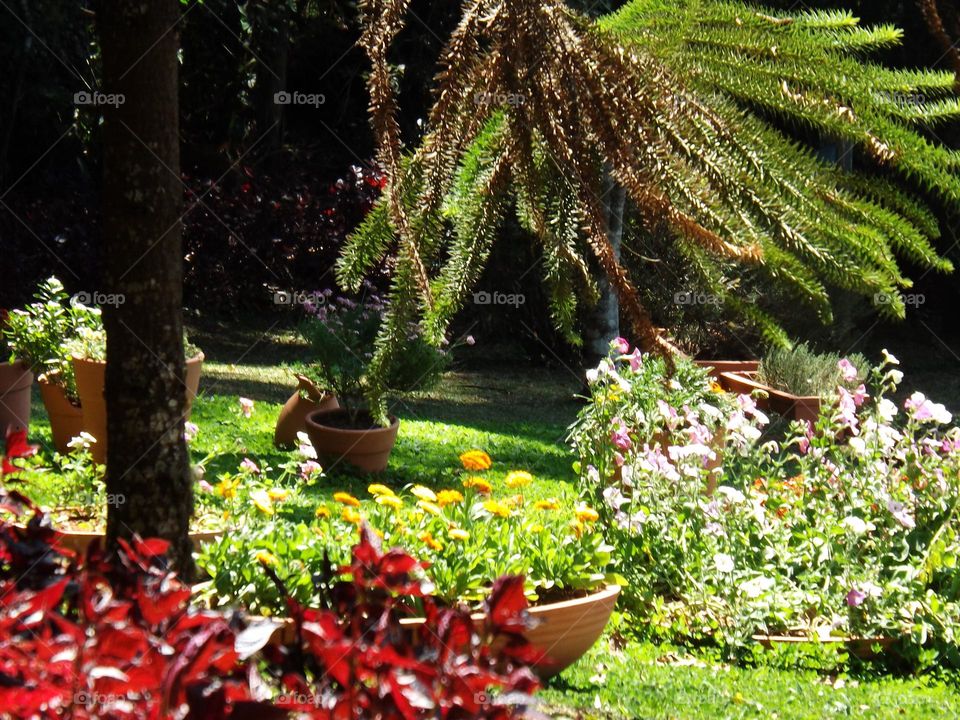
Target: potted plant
[
  {"x": 16, "y": 380},
  {"x": 794, "y": 381},
  {"x": 341, "y": 333},
  {"x": 88, "y": 358},
  {"x": 292, "y": 419},
  {"x": 38, "y": 334}
]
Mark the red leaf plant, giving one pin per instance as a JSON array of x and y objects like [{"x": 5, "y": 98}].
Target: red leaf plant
[{"x": 116, "y": 637}]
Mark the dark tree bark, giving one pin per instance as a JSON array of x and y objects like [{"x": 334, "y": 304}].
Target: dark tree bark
[{"x": 147, "y": 461}]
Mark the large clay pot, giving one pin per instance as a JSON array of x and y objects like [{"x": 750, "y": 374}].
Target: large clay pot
[
  {"x": 66, "y": 419},
  {"x": 368, "y": 449},
  {"x": 308, "y": 398},
  {"x": 717, "y": 367},
  {"x": 91, "y": 378},
  {"x": 796, "y": 407},
  {"x": 15, "y": 383}
]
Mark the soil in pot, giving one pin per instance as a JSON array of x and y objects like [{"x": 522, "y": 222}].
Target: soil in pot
[
  {"x": 308, "y": 398},
  {"x": 363, "y": 444},
  {"x": 66, "y": 419},
  {"x": 15, "y": 383}
]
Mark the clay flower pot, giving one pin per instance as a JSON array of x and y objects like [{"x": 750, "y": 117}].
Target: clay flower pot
[
  {"x": 716, "y": 368},
  {"x": 367, "y": 449},
  {"x": 66, "y": 419},
  {"x": 15, "y": 383},
  {"x": 796, "y": 407},
  {"x": 293, "y": 415},
  {"x": 91, "y": 378},
  {"x": 860, "y": 647},
  {"x": 79, "y": 540}
]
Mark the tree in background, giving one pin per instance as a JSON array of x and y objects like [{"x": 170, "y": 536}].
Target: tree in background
[
  {"x": 147, "y": 461},
  {"x": 686, "y": 103}
]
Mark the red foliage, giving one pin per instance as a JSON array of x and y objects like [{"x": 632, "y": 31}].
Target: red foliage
[
  {"x": 16, "y": 448},
  {"x": 116, "y": 637}
]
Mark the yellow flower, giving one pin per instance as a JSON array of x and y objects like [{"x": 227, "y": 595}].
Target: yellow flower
[
  {"x": 377, "y": 489},
  {"x": 423, "y": 493},
  {"x": 496, "y": 508},
  {"x": 475, "y": 460},
  {"x": 227, "y": 488},
  {"x": 576, "y": 528},
  {"x": 458, "y": 534},
  {"x": 430, "y": 507},
  {"x": 614, "y": 395},
  {"x": 346, "y": 498},
  {"x": 550, "y": 504},
  {"x": 351, "y": 516},
  {"x": 586, "y": 514},
  {"x": 478, "y": 484},
  {"x": 322, "y": 512},
  {"x": 515, "y": 501},
  {"x": 449, "y": 497},
  {"x": 390, "y": 501},
  {"x": 262, "y": 501},
  {"x": 536, "y": 528},
  {"x": 266, "y": 558},
  {"x": 278, "y": 494},
  {"x": 428, "y": 540},
  {"x": 716, "y": 387},
  {"x": 518, "y": 479}
]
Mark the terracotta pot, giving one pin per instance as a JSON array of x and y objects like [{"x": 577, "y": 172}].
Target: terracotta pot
[
  {"x": 368, "y": 450},
  {"x": 796, "y": 407},
  {"x": 717, "y": 367},
  {"x": 66, "y": 419},
  {"x": 91, "y": 378},
  {"x": 78, "y": 541},
  {"x": 565, "y": 632},
  {"x": 860, "y": 647},
  {"x": 293, "y": 414},
  {"x": 15, "y": 383}
]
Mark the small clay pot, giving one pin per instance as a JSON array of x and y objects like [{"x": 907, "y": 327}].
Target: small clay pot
[
  {"x": 293, "y": 414},
  {"x": 15, "y": 382},
  {"x": 66, "y": 419},
  {"x": 368, "y": 449}
]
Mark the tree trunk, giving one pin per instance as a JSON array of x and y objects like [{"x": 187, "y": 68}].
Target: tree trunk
[
  {"x": 147, "y": 461},
  {"x": 604, "y": 323}
]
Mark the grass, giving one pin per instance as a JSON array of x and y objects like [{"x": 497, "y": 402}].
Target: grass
[{"x": 519, "y": 415}]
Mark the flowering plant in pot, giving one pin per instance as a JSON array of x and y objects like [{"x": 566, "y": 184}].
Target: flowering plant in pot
[{"x": 341, "y": 333}]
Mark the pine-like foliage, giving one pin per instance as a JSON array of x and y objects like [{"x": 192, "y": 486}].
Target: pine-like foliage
[{"x": 682, "y": 102}]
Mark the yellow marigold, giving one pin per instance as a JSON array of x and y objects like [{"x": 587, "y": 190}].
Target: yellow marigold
[
  {"x": 576, "y": 528},
  {"x": 458, "y": 534},
  {"x": 390, "y": 501},
  {"x": 478, "y": 484},
  {"x": 586, "y": 514},
  {"x": 278, "y": 494},
  {"x": 449, "y": 497},
  {"x": 550, "y": 504},
  {"x": 536, "y": 528},
  {"x": 716, "y": 387},
  {"x": 347, "y": 499},
  {"x": 350, "y": 515},
  {"x": 262, "y": 501},
  {"x": 227, "y": 488},
  {"x": 515, "y": 501},
  {"x": 430, "y": 507},
  {"x": 322, "y": 512},
  {"x": 497, "y": 508},
  {"x": 266, "y": 558},
  {"x": 518, "y": 479},
  {"x": 474, "y": 460},
  {"x": 377, "y": 489},
  {"x": 423, "y": 493},
  {"x": 428, "y": 540}
]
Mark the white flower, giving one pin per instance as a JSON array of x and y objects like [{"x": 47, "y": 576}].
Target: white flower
[
  {"x": 592, "y": 376},
  {"x": 858, "y": 445},
  {"x": 855, "y": 525},
  {"x": 901, "y": 514},
  {"x": 889, "y": 359},
  {"x": 887, "y": 409},
  {"x": 723, "y": 562},
  {"x": 615, "y": 499},
  {"x": 83, "y": 441},
  {"x": 732, "y": 495},
  {"x": 305, "y": 447},
  {"x": 895, "y": 376},
  {"x": 756, "y": 587}
]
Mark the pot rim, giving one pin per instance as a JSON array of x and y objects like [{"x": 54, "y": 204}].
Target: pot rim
[
  {"x": 743, "y": 376},
  {"x": 394, "y": 422}
]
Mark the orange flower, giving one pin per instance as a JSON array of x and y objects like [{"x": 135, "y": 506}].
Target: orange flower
[
  {"x": 518, "y": 479},
  {"x": 278, "y": 494},
  {"x": 351, "y": 516},
  {"x": 476, "y": 460},
  {"x": 347, "y": 499},
  {"x": 478, "y": 484},
  {"x": 449, "y": 497},
  {"x": 322, "y": 512},
  {"x": 550, "y": 504},
  {"x": 428, "y": 540},
  {"x": 496, "y": 508},
  {"x": 586, "y": 514}
]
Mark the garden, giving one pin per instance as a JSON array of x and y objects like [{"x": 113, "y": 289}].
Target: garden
[{"x": 519, "y": 418}]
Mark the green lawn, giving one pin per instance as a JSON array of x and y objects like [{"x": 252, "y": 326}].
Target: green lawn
[{"x": 519, "y": 414}]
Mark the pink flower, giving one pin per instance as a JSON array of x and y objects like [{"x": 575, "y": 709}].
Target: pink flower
[
  {"x": 855, "y": 597},
  {"x": 190, "y": 430},
  {"x": 848, "y": 409},
  {"x": 860, "y": 394},
  {"x": 249, "y": 466},
  {"x": 246, "y": 406},
  {"x": 804, "y": 444},
  {"x": 309, "y": 468},
  {"x": 618, "y": 459},
  {"x": 636, "y": 359},
  {"x": 920, "y": 408},
  {"x": 619, "y": 436},
  {"x": 901, "y": 514},
  {"x": 950, "y": 445},
  {"x": 469, "y": 340},
  {"x": 847, "y": 370},
  {"x": 205, "y": 486},
  {"x": 620, "y": 345}
]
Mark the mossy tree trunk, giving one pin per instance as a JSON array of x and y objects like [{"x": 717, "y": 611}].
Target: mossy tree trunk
[{"x": 147, "y": 461}]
